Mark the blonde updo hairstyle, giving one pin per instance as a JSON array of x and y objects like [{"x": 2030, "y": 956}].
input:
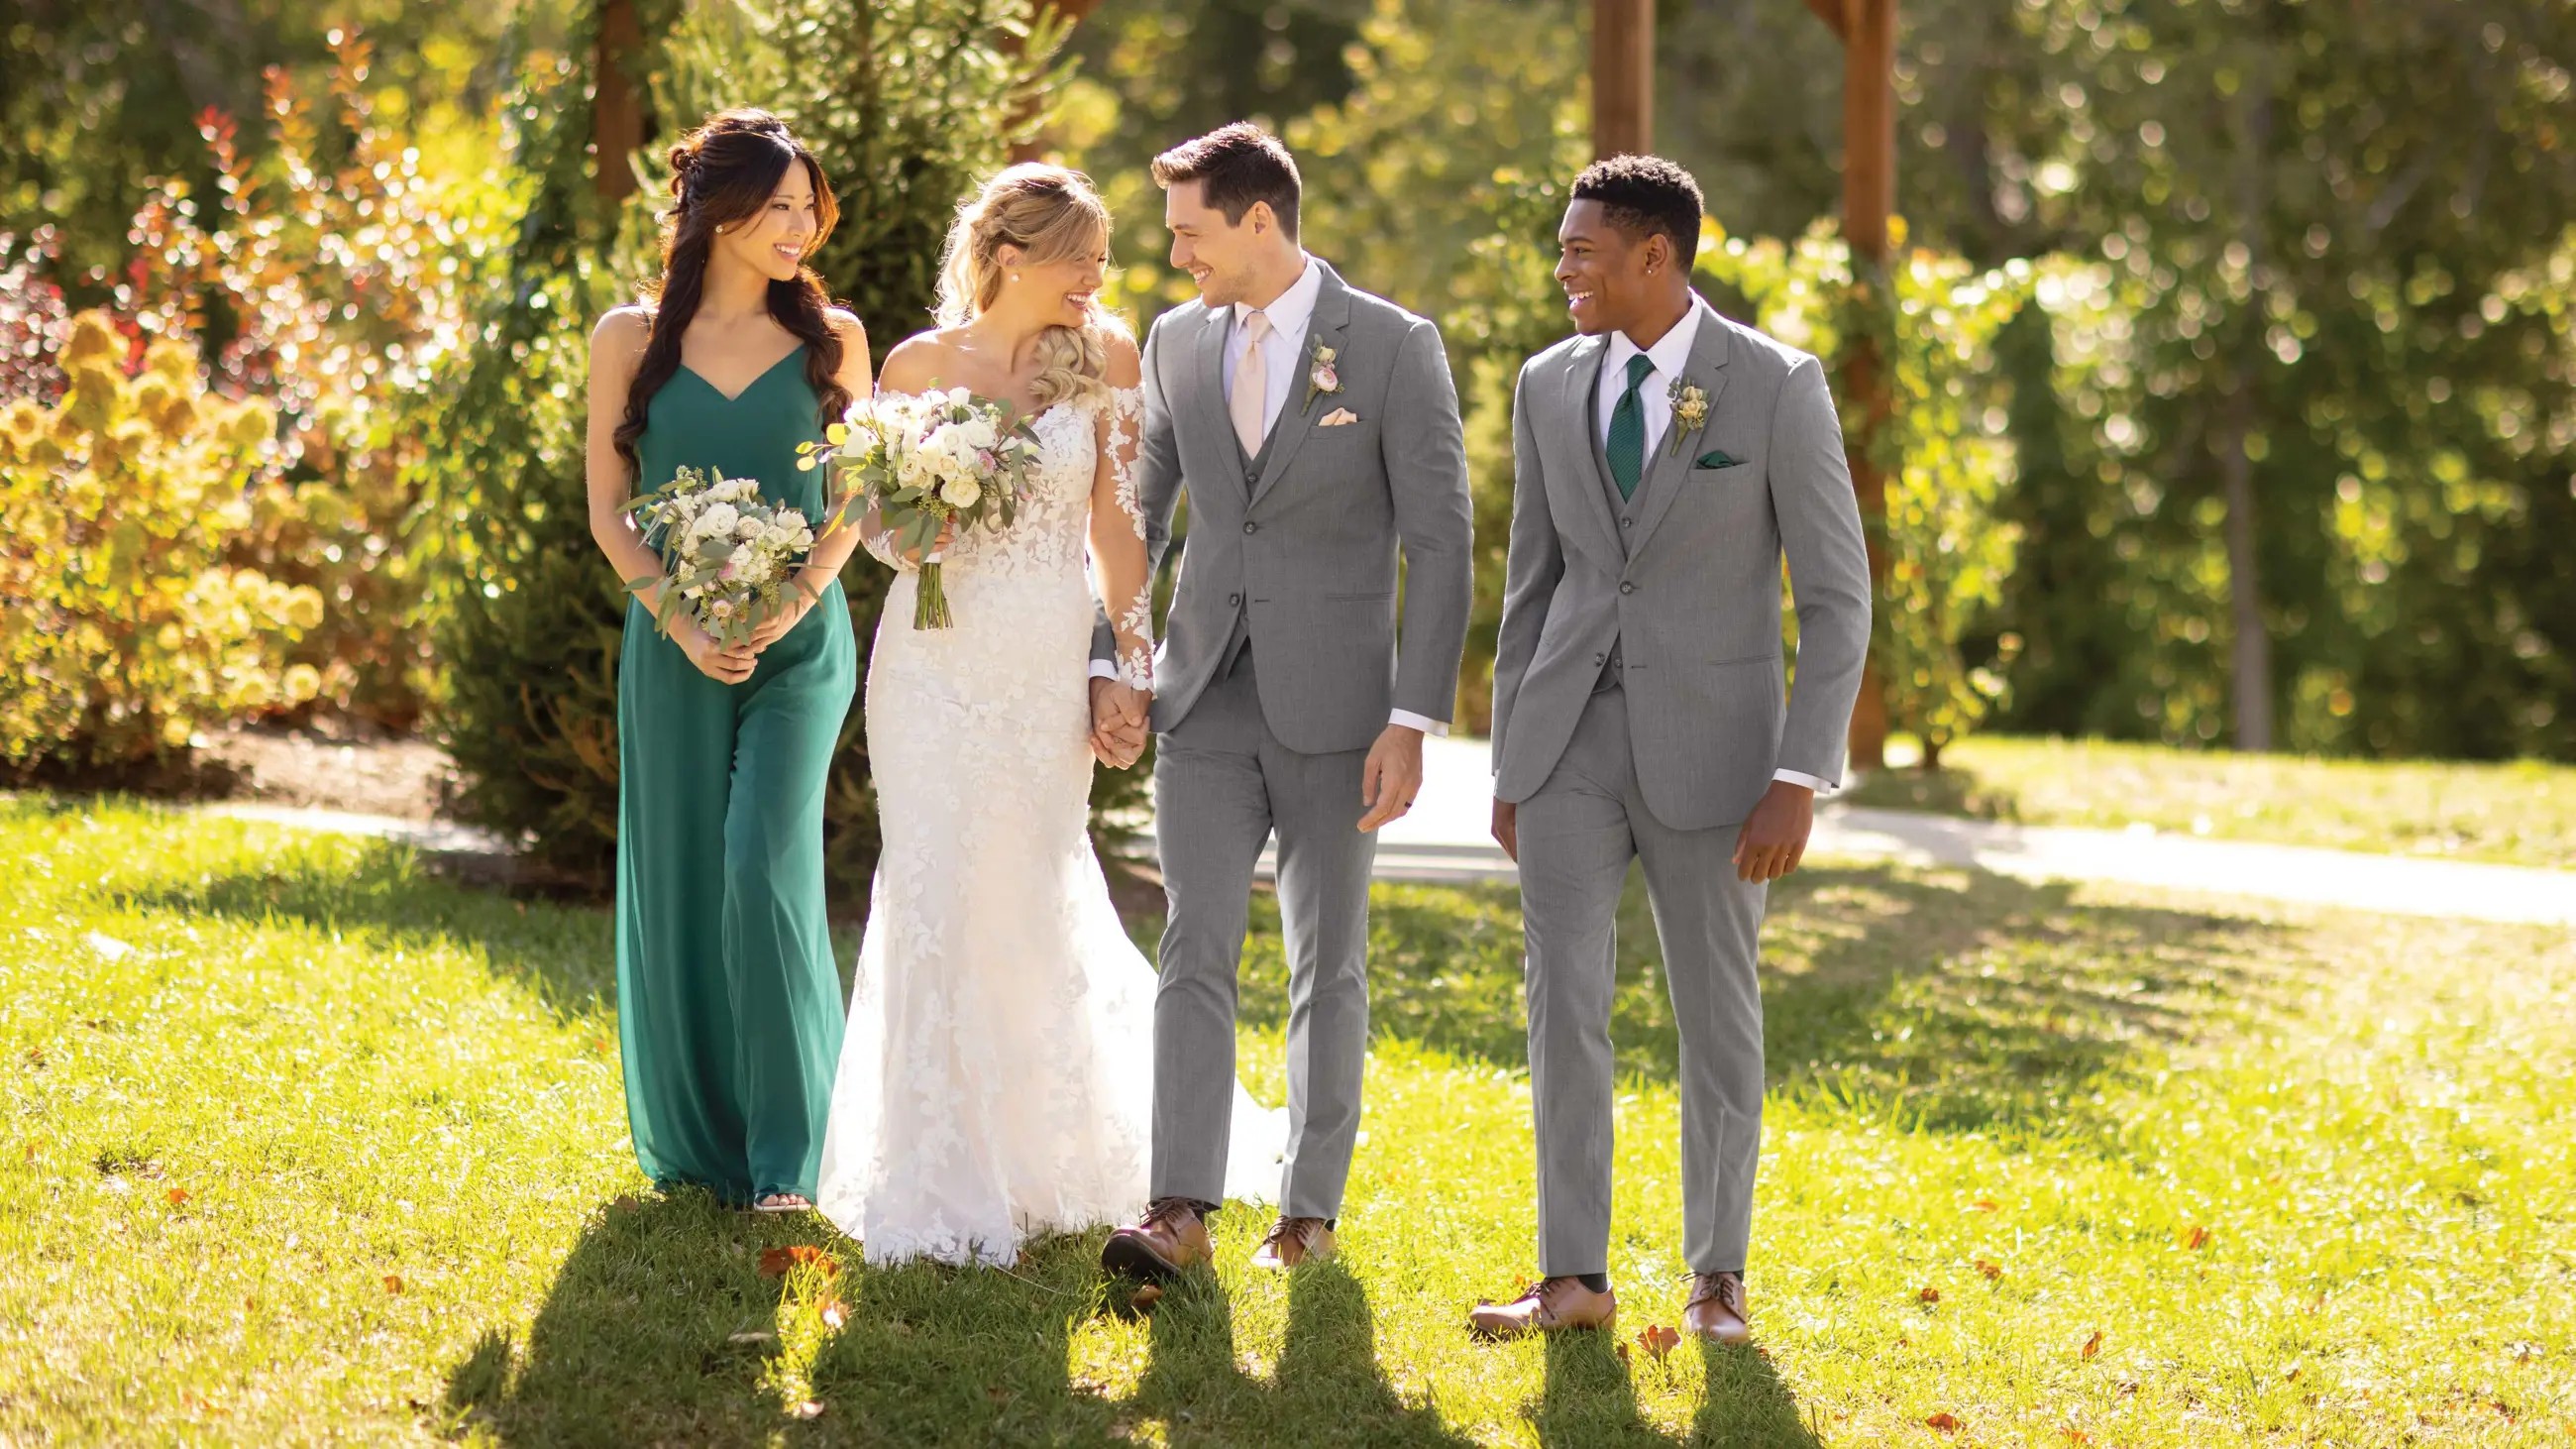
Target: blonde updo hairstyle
[{"x": 1052, "y": 215}]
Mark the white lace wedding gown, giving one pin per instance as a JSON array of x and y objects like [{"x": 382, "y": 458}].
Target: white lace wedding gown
[{"x": 996, "y": 1080}]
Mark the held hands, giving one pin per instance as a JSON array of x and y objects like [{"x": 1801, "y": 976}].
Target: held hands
[
  {"x": 1774, "y": 837},
  {"x": 717, "y": 662},
  {"x": 1392, "y": 776},
  {"x": 1118, "y": 722}
]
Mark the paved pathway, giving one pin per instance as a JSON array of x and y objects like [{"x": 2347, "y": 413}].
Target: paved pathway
[{"x": 1445, "y": 839}]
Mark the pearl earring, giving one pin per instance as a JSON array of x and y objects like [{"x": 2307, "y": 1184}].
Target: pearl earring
[{"x": 1015, "y": 276}]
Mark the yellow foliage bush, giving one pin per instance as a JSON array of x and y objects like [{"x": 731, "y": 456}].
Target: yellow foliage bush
[{"x": 123, "y": 627}]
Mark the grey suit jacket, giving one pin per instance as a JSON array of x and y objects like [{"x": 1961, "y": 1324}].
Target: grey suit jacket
[
  {"x": 1690, "y": 594},
  {"x": 1301, "y": 542}
]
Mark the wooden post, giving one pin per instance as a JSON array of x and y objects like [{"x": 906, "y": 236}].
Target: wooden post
[
  {"x": 1869, "y": 198},
  {"x": 616, "y": 102},
  {"x": 1623, "y": 77}
]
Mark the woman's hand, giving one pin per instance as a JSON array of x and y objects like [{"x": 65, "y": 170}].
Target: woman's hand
[
  {"x": 717, "y": 662},
  {"x": 777, "y": 626},
  {"x": 938, "y": 546}
]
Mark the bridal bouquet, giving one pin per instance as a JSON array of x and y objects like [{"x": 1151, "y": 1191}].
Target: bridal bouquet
[
  {"x": 924, "y": 463},
  {"x": 728, "y": 556}
]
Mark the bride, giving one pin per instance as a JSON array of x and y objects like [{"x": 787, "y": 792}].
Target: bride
[{"x": 995, "y": 1081}]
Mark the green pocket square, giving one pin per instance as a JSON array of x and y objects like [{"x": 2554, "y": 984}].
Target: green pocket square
[{"x": 1717, "y": 458}]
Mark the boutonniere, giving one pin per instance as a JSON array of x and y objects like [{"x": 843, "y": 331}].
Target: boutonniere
[
  {"x": 1321, "y": 379},
  {"x": 1690, "y": 409}
]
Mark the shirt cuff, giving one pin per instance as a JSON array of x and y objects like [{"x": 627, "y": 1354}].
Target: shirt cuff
[
  {"x": 1410, "y": 720},
  {"x": 1796, "y": 777},
  {"x": 1104, "y": 669}
]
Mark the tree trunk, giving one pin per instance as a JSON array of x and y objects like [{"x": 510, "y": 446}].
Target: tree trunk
[
  {"x": 1623, "y": 77},
  {"x": 617, "y": 102},
  {"x": 2251, "y": 649},
  {"x": 1869, "y": 197}
]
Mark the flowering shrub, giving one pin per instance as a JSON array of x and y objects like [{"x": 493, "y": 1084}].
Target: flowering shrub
[{"x": 124, "y": 628}]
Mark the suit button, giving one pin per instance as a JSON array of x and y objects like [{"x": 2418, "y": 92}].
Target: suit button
[
  {"x": 1252, "y": 528},
  {"x": 1627, "y": 588},
  {"x": 1600, "y": 658},
  {"x": 1234, "y": 601},
  {"x": 1627, "y": 523},
  {"x": 1252, "y": 480}
]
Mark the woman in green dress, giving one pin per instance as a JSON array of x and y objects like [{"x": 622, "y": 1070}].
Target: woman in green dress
[{"x": 728, "y": 999}]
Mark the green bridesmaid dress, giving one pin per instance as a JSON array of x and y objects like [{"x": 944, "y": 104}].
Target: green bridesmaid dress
[{"x": 728, "y": 998}]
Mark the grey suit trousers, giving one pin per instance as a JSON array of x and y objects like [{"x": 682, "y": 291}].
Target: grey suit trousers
[
  {"x": 1222, "y": 783},
  {"x": 1577, "y": 835}
]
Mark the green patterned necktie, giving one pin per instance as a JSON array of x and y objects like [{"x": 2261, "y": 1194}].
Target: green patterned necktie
[{"x": 1627, "y": 445}]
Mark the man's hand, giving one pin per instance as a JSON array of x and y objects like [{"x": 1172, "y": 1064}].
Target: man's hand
[
  {"x": 1507, "y": 829},
  {"x": 1392, "y": 776},
  {"x": 1118, "y": 722},
  {"x": 1774, "y": 837}
]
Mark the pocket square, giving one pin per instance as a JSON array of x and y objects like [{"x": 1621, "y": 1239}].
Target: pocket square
[
  {"x": 1717, "y": 458},
  {"x": 1338, "y": 418}
]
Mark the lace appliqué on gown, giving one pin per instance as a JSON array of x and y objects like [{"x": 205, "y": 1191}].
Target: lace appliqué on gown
[{"x": 996, "y": 1079}]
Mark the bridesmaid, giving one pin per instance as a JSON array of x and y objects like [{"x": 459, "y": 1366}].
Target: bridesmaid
[{"x": 728, "y": 999}]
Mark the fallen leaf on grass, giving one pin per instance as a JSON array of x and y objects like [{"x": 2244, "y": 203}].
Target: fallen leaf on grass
[
  {"x": 834, "y": 1315},
  {"x": 2074, "y": 1435},
  {"x": 1658, "y": 1340},
  {"x": 1986, "y": 1205},
  {"x": 774, "y": 1262},
  {"x": 810, "y": 1409},
  {"x": 2092, "y": 1346},
  {"x": 393, "y": 1283},
  {"x": 1947, "y": 1423},
  {"x": 1929, "y": 1295},
  {"x": 1993, "y": 1271},
  {"x": 1622, "y": 1350},
  {"x": 177, "y": 1195},
  {"x": 1145, "y": 1297},
  {"x": 2193, "y": 1238}
]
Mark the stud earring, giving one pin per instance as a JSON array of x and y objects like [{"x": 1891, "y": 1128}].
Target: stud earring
[{"x": 1015, "y": 276}]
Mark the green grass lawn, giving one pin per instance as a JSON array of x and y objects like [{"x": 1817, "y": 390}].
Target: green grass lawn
[
  {"x": 303, "y": 1144},
  {"x": 2522, "y": 813}
]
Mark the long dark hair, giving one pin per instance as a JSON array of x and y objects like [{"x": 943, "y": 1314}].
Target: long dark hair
[{"x": 721, "y": 173}]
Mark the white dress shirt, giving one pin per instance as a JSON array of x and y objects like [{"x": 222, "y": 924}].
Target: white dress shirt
[
  {"x": 1283, "y": 356},
  {"x": 1670, "y": 355}
]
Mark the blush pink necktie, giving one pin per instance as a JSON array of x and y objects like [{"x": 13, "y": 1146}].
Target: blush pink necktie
[{"x": 1251, "y": 385}]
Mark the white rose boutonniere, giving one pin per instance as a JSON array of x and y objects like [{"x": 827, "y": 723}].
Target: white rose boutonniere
[{"x": 1690, "y": 409}]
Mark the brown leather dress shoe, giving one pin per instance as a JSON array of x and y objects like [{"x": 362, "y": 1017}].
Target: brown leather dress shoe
[
  {"x": 1547, "y": 1306},
  {"x": 1172, "y": 1237},
  {"x": 1716, "y": 1308},
  {"x": 1293, "y": 1241}
]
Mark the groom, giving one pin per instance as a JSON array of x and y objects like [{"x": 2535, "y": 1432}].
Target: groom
[
  {"x": 1316, "y": 432},
  {"x": 1662, "y": 463}
]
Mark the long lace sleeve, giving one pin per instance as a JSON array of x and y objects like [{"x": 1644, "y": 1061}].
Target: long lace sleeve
[
  {"x": 1120, "y": 568},
  {"x": 879, "y": 541}
]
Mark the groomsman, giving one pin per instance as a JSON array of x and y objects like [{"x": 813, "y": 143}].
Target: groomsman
[{"x": 1664, "y": 461}]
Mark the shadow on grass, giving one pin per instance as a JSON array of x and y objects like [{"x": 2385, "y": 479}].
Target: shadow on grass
[
  {"x": 1327, "y": 1388},
  {"x": 1951, "y": 1000},
  {"x": 1591, "y": 1398},
  {"x": 394, "y": 898},
  {"x": 660, "y": 1330},
  {"x": 1945, "y": 790}
]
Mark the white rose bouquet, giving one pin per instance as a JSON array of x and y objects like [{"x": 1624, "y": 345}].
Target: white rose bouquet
[
  {"x": 924, "y": 463},
  {"x": 728, "y": 556}
]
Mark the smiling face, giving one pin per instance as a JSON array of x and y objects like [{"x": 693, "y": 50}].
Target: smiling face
[
  {"x": 1223, "y": 258},
  {"x": 1059, "y": 292},
  {"x": 1613, "y": 281},
  {"x": 774, "y": 239}
]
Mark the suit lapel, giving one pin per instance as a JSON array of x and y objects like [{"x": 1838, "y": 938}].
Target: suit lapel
[
  {"x": 1668, "y": 471},
  {"x": 1591, "y": 478},
  {"x": 1208, "y": 364},
  {"x": 1331, "y": 320}
]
